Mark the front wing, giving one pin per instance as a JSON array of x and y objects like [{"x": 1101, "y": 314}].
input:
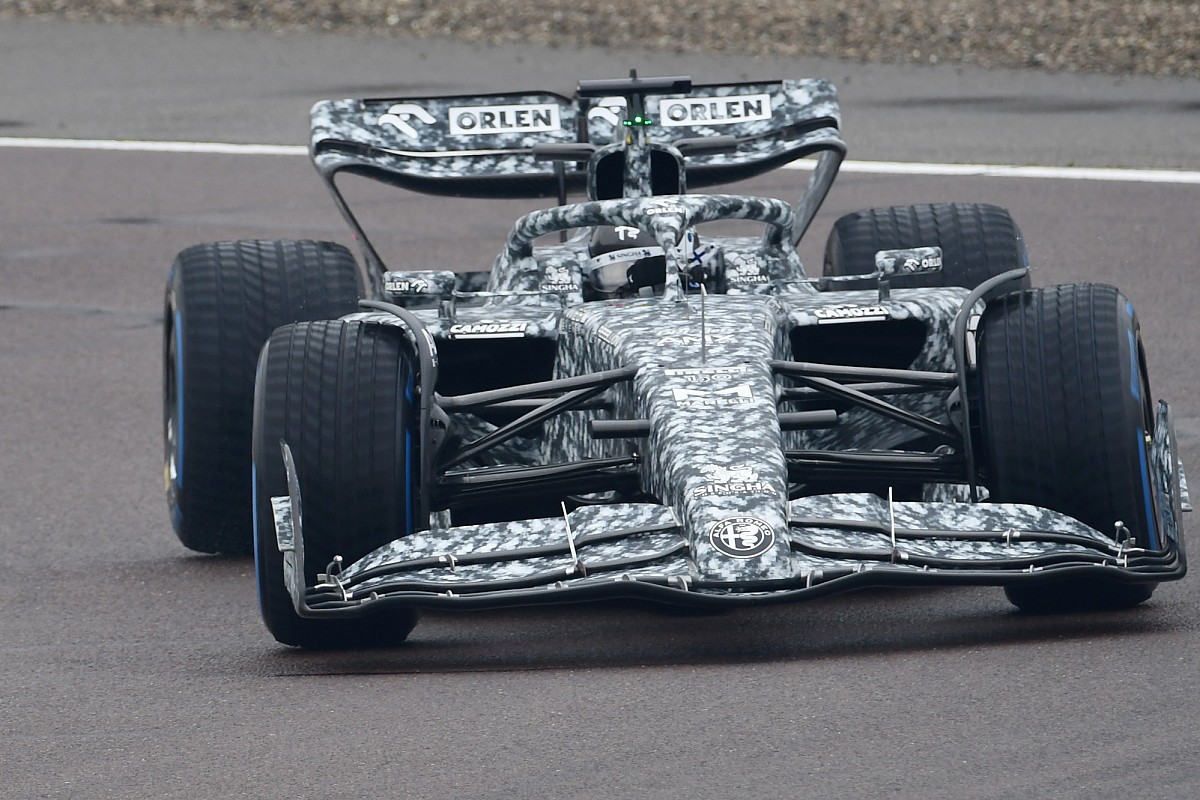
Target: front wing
[{"x": 838, "y": 542}]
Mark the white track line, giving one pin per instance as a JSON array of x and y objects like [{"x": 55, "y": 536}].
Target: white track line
[
  {"x": 867, "y": 167},
  {"x": 1006, "y": 171},
  {"x": 134, "y": 146}
]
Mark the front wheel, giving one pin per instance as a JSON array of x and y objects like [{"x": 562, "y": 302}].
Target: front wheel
[
  {"x": 1066, "y": 422},
  {"x": 341, "y": 395}
]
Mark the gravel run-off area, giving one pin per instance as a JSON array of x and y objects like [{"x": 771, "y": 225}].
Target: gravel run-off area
[{"x": 1149, "y": 37}]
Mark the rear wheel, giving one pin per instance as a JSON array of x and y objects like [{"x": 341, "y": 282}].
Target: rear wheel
[
  {"x": 222, "y": 302},
  {"x": 340, "y": 394},
  {"x": 1066, "y": 420},
  {"x": 978, "y": 242}
]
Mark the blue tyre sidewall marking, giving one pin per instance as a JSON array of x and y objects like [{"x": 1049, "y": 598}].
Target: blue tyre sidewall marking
[
  {"x": 178, "y": 400},
  {"x": 1143, "y": 466},
  {"x": 1151, "y": 522},
  {"x": 1133, "y": 367}
]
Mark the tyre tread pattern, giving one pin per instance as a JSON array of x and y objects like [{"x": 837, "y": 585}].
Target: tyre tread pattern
[
  {"x": 232, "y": 295},
  {"x": 335, "y": 392},
  {"x": 1059, "y": 419}
]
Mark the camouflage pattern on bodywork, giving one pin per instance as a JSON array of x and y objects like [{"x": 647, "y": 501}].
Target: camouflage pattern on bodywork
[{"x": 711, "y": 517}]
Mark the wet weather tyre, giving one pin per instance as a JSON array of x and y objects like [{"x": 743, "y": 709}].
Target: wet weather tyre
[
  {"x": 978, "y": 242},
  {"x": 340, "y": 394},
  {"x": 1065, "y": 416},
  {"x": 222, "y": 301}
]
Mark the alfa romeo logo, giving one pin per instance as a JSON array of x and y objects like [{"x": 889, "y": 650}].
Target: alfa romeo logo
[{"x": 742, "y": 537}]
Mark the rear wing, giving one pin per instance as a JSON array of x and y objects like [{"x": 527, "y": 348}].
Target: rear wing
[{"x": 482, "y": 145}]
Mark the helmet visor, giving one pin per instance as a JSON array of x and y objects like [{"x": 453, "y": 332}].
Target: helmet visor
[{"x": 609, "y": 272}]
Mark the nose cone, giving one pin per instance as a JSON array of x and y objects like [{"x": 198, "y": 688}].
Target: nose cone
[
  {"x": 714, "y": 452},
  {"x": 715, "y": 455}
]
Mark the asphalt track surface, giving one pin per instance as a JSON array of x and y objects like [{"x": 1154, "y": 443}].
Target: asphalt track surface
[{"x": 130, "y": 668}]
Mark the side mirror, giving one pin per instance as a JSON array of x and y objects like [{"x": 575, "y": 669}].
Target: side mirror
[{"x": 905, "y": 262}]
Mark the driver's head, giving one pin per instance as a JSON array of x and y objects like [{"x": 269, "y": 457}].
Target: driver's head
[{"x": 624, "y": 261}]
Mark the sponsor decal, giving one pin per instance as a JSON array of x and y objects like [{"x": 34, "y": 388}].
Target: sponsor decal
[
  {"x": 703, "y": 374},
  {"x": 406, "y": 286},
  {"x": 746, "y": 270},
  {"x": 487, "y": 330},
  {"x": 708, "y": 397},
  {"x": 734, "y": 480},
  {"x": 917, "y": 259},
  {"x": 626, "y": 232},
  {"x": 662, "y": 207},
  {"x": 730, "y": 488},
  {"x": 694, "y": 339},
  {"x": 558, "y": 279},
  {"x": 741, "y": 537},
  {"x": 834, "y": 314},
  {"x": 624, "y": 254},
  {"x": 398, "y": 117},
  {"x": 714, "y": 110},
  {"x": 609, "y": 109},
  {"x": 734, "y": 472},
  {"x": 921, "y": 264},
  {"x": 607, "y": 335},
  {"x": 481, "y": 120}
]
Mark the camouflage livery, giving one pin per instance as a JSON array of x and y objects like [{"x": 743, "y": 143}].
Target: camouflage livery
[{"x": 692, "y": 397}]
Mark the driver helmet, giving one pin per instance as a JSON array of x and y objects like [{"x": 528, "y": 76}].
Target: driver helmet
[{"x": 623, "y": 262}]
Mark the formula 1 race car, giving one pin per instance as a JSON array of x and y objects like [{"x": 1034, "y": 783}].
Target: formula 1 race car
[{"x": 629, "y": 406}]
